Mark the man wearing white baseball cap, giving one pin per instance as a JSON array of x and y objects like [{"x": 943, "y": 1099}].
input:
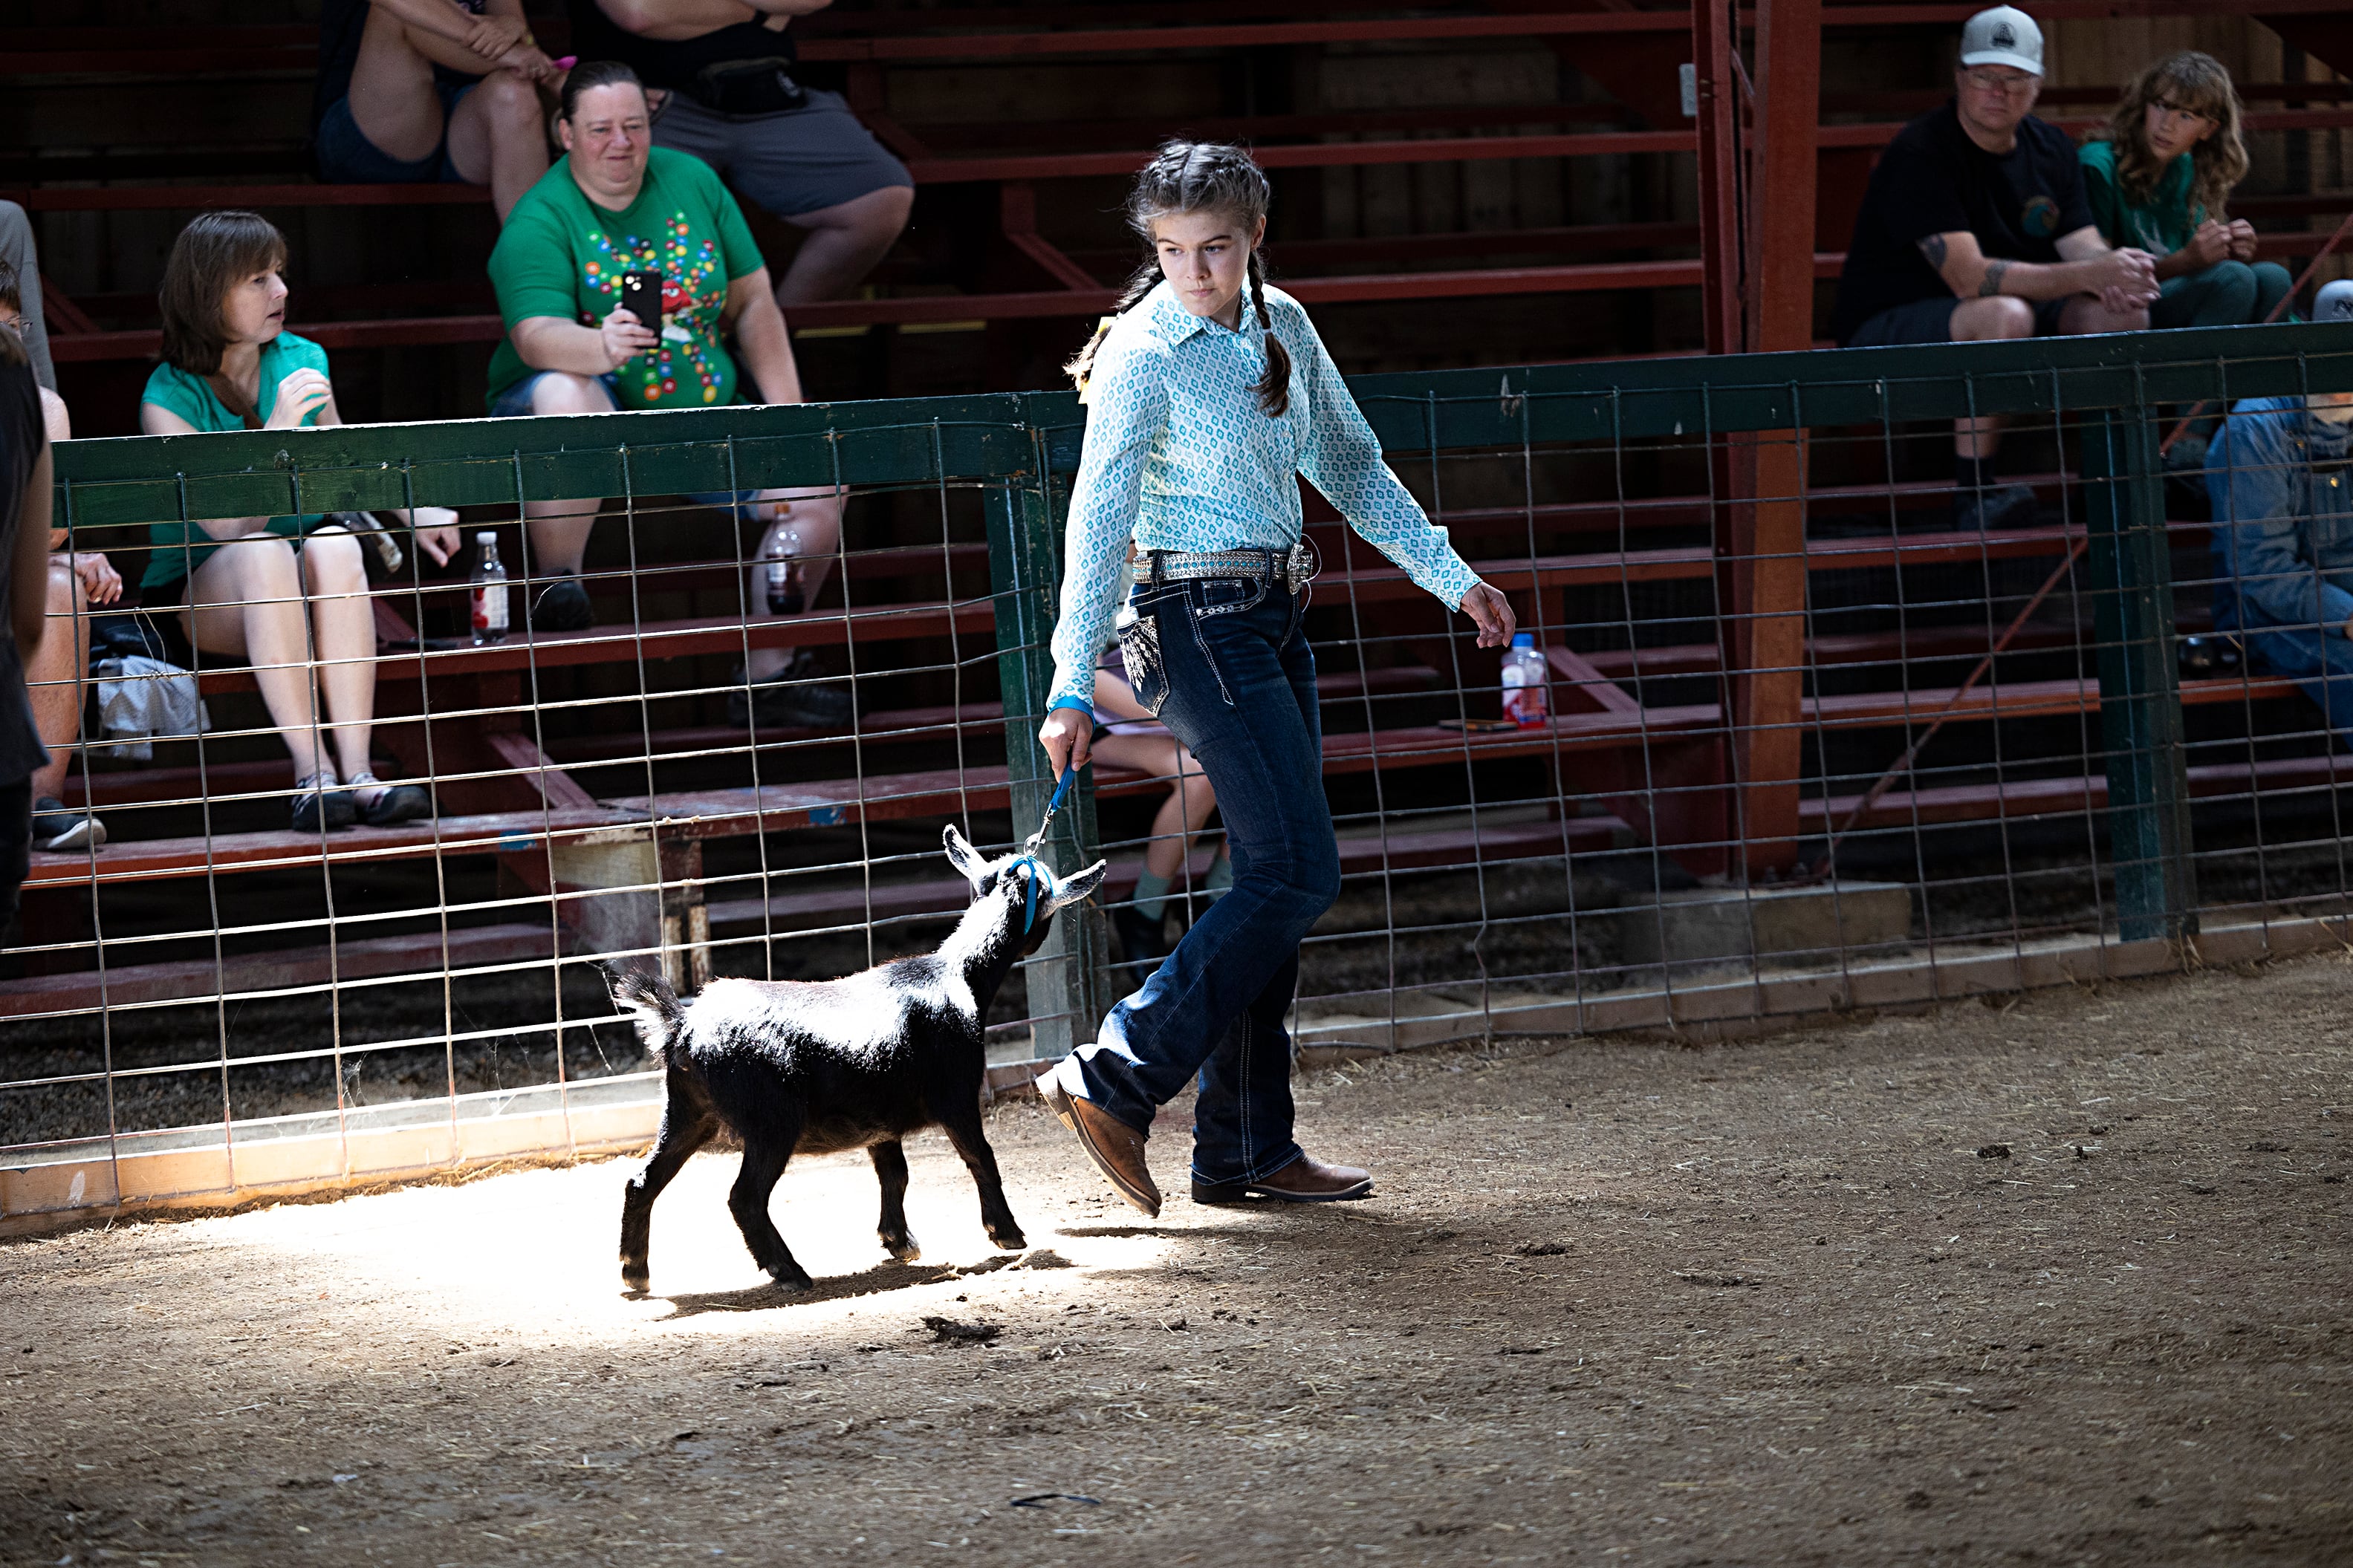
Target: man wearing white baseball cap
[
  {"x": 1975, "y": 226},
  {"x": 2280, "y": 476}
]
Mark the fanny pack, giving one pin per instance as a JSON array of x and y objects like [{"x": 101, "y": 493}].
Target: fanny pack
[{"x": 748, "y": 87}]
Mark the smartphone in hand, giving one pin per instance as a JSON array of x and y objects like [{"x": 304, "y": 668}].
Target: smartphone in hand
[{"x": 641, "y": 292}]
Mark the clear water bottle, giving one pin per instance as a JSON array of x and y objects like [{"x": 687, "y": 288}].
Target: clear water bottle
[
  {"x": 489, "y": 592},
  {"x": 1524, "y": 682},
  {"x": 785, "y": 597}
]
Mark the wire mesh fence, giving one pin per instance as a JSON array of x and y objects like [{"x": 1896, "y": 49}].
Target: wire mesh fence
[{"x": 1800, "y": 728}]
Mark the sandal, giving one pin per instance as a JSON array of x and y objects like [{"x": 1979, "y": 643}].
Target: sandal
[
  {"x": 381, "y": 804},
  {"x": 320, "y": 803}
]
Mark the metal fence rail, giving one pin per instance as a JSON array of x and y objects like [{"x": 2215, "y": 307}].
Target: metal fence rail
[{"x": 1810, "y": 746}]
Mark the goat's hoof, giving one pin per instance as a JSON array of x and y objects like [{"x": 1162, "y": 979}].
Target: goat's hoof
[
  {"x": 795, "y": 1283},
  {"x": 1009, "y": 1240},
  {"x": 636, "y": 1281},
  {"x": 902, "y": 1248}
]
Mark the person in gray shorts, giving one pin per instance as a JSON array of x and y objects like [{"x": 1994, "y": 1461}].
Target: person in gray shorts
[{"x": 719, "y": 75}]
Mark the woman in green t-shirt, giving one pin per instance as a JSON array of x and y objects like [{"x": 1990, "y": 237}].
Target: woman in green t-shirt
[
  {"x": 2158, "y": 176},
  {"x": 270, "y": 589},
  {"x": 615, "y": 205}
]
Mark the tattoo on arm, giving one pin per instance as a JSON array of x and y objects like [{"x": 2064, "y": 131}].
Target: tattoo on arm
[
  {"x": 1933, "y": 247},
  {"x": 1991, "y": 284}
]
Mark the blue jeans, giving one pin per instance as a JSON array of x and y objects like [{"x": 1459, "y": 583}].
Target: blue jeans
[
  {"x": 2320, "y": 663},
  {"x": 1241, "y": 698},
  {"x": 2227, "y": 294}
]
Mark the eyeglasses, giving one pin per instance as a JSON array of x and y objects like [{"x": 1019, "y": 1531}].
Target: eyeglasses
[{"x": 2013, "y": 84}]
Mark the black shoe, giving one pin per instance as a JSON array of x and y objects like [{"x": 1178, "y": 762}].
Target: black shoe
[
  {"x": 796, "y": 696},
  {"x": 319, "y": 808},
  {"x": 1143, "y": 938},
  {"x": 563, "y": 606},
  {"x": 391, "y": 803},
  {"x": 54, "y": 828},
  {"x": 2003, "y": 506}
]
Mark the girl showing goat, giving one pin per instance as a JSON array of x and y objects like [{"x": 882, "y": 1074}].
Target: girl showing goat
[{"x": 1208, "y": 397}]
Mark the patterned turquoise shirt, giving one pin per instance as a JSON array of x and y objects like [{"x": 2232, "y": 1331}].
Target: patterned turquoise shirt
[{"x": 1179, "y": 456}]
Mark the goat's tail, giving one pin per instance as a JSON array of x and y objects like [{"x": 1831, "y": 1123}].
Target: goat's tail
[{"x": 659, "y": 1017}]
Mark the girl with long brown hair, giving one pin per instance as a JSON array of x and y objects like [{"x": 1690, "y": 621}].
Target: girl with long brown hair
[
  {"x": 2159, "y": 177},
  {"x": 1209, "y": 396},
  {"x": 287, "y": 594}
]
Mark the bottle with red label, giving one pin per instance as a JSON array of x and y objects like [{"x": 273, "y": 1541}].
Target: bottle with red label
[
  {"x": 1524, "y": 682},
  {"x": 489, "y": 592}
]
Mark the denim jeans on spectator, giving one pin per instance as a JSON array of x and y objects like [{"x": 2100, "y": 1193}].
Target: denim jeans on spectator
[
  {"x": 2227, "y": 294},
  {"x": 1241, "y": 697},
  {"x": 2319, "y": 662},
  {"x": 514, "y": 402}
]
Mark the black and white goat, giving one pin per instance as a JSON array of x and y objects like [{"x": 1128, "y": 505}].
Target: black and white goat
[{"x": 858, "y": 1063}]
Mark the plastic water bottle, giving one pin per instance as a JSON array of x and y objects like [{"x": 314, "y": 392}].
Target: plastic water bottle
[
  {"x": 1524, "y": 682},
  {"x": 489, "y": 592},
  {"x": 785, "y": 596}
]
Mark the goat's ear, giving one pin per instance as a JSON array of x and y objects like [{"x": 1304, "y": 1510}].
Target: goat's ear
[
  {"x": 1076, "y": 888},
  {"x": 963, "y": 856}
]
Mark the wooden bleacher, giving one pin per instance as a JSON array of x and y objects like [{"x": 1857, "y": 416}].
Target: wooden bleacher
[
  {"x": 1031, "y": 270},
  {"x": 515, "y": 787}
]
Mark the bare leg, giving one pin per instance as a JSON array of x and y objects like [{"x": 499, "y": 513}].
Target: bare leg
[
  {"x": 816, "y": 516},
  {"x": 343, "y": 631},
  {"x": 890, "y": 1171},
  {"x": 497, "y": 138},
  {"x": 2085, "y": 313},
  {"x": 843, "y": 245},
  {"x": 963, "y": 1128},
  {"x": 246, "y": 600},
  {"x": 558, "y": 530},
  {"x": 1186, "y": 811},
  {"x": 54, "y": 678},
  {"x": 763, "y": 1164},
  {"x": 1979, "y": 320},
  {"x": 392, "y": 96},
  {"x": 683, "y": 1131}
]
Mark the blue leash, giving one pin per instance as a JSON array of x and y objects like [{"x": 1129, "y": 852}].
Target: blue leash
[{"x": 1028, "y": 855}]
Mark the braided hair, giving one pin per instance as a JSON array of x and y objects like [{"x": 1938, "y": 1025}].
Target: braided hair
[{"x": 1191, "y": 177}]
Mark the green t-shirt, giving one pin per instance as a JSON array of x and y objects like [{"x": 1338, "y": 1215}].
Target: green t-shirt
[
  {"x": 2160, "y": 226},
  {"x": 179, "y": 548},
  {"x": 562, "y": 255}
]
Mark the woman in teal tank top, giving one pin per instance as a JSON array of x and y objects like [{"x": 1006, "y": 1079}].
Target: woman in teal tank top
[{"x": 284, "y": 593}]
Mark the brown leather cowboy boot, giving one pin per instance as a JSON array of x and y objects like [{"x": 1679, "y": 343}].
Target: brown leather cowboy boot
[
  {"x": 1307, "y": 1180},
  {"x": 1116, "y": 1148}
]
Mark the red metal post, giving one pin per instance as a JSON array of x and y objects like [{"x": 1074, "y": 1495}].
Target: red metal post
[
  {"x": 1767, "y": 536},
  {"x": 1718, "y": 102}
]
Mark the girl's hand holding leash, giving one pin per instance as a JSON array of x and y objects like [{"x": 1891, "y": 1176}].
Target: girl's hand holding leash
[
  {"x": 1068, "y": 734},
  {"x": 1486, "y": 604}
]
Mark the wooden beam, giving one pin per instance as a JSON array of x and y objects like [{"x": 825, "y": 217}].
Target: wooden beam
[{"x": 1765, "y": 627}]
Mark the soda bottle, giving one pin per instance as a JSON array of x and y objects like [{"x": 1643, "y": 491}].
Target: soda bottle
[
  {"x": 489, "y": 592},
  {"x": 785, "y": 596},
  {"x": 1524, "y": 682}
]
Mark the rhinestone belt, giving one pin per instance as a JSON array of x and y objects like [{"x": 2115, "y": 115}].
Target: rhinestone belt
[{"x": 1293, "y": 568}]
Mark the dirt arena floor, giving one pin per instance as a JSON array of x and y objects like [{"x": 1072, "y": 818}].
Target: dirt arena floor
[{"x": 2058, "y": 1280}]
